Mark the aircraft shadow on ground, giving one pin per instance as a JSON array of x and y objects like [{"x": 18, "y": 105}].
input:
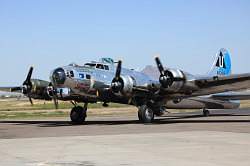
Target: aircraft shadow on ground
[{"x": 162, "y": 120}]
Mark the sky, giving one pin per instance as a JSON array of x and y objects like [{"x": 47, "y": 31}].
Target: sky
[{"x": 185, "y": 33}]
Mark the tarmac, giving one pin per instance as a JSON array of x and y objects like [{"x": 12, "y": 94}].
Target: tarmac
[{"x": 176, "y": 139}]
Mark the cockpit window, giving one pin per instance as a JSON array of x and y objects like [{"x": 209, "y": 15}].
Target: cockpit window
[
  {"x": 106, "y": 67},
  {"x": 99, "y": 66}
]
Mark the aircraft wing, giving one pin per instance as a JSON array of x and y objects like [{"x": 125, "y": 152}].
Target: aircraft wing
[
  {"x": 219, "y": 84},
  {"x": 11, "y": 89},
  {"x": 214, "y": 86}
]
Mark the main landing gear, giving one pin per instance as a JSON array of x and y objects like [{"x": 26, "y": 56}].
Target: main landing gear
[
  {"x": 78, "y": 114},
  {"x": 206, "y": 112},
  {"x": 145, "y": 114}
]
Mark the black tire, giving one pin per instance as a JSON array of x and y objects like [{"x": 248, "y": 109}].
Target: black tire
[
  {"x": 145, "y": 114},
  {"x": 206, "y": 113},
  {"x": 78, "y": 115}
]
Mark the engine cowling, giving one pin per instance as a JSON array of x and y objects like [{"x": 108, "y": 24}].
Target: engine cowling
[
  {"x": 172, "y": 80},
  {"x": 123, "y": 85}
]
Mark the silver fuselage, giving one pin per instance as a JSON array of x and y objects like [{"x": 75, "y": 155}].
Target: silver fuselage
[{"x": 90, "y": 83}]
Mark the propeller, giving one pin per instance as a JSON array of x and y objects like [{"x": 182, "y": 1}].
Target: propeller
[
  {"x": 52, "y": 92},
  {"x": 27, "y": 85},
  {"x": 55, "y": 101},
  {"x": 117, "y": 83},
  {"x": 118, "y": 70},
  {"x": 26, "y": 88},
  {"x": 166, "y": 77}
]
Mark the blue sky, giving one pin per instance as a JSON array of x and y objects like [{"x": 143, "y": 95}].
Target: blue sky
[{"x": 186, "y": 33}]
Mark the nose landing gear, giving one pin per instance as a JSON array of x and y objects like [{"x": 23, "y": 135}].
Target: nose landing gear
[{"x": 78, "y": 114}]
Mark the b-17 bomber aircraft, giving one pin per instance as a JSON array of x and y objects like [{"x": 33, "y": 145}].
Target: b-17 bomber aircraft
[{"x": 106, "y": 82}]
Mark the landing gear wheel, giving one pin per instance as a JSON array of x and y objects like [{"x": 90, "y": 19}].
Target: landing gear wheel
[
  {"x": 145, "y": 114},
  {"x": 78, "y": 114},
  {"x": 206, "y": 112}
]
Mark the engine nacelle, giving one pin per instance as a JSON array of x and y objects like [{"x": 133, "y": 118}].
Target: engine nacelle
[
  {"x": 176, "y": 80},
  {"x": 123, "y": 86}
]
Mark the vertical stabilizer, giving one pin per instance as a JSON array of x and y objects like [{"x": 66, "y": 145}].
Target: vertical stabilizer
[{"x": 222, "y": 64}]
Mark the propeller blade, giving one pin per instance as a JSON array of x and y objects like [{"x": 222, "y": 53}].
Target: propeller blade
[
  {"x": 30, "y": 99},
  {"x": 55, "y": 101},
  {"x": 53, "y": 94},
  {"x": 28, "y": 78},
  {"x": 27, "y": 84},
  {"x": 159, "y": 65},
  {"x": 166, "y": 77},
  {"x": 118, "y": 70},
  {"x": 117, "y": 84}
]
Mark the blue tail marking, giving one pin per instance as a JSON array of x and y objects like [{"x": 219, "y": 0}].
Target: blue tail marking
[{"x": 222, "y": 64}]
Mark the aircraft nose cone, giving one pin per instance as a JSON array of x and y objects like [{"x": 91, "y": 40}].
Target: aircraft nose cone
[{"x": 58, "y": 76}]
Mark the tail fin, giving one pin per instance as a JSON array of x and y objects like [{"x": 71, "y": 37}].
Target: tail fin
[{"x": 222, "y": 64}]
